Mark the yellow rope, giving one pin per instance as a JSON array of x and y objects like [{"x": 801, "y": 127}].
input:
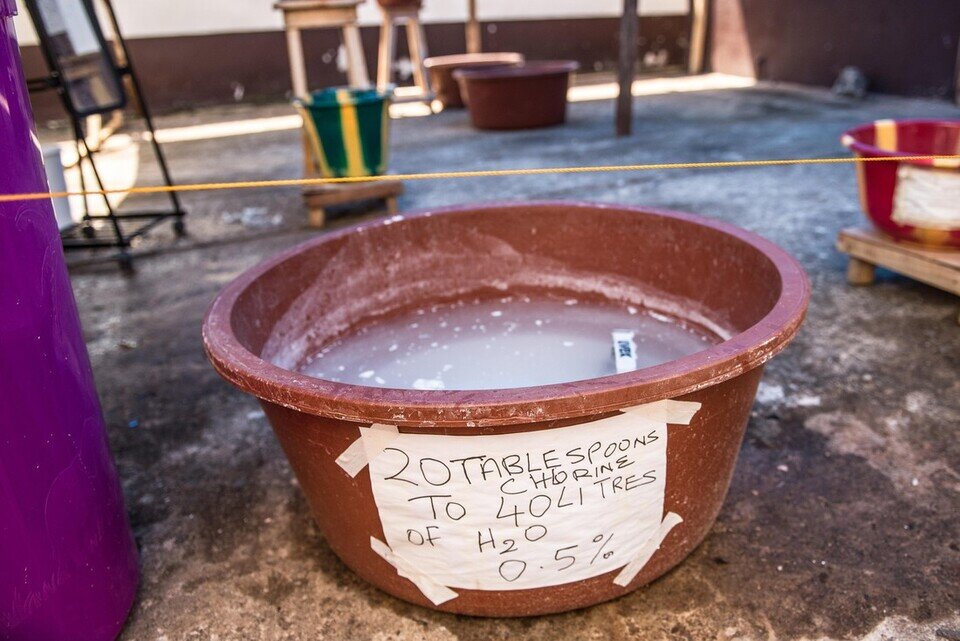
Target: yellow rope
[{"x": 482, "y": 173}]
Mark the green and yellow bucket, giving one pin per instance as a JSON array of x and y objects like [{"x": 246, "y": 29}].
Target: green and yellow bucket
[{"x": 348, "y": 130}]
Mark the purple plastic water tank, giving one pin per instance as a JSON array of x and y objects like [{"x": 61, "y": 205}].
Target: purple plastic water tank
[{"x": 68, "y": 563}]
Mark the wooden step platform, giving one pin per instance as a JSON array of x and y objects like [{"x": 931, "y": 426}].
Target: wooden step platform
[
  {"x": 869, "y": 249},
  {"x": 319, "y": 197}
]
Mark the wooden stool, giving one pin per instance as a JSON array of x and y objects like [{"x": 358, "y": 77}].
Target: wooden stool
[
  {"x": 318, "y": 14},
  {"x": 320, "y": 197},
  {"x": 408, "y": 14},
  {"x": 341, "y": 14},
  {"x": 869, "y": 249}
]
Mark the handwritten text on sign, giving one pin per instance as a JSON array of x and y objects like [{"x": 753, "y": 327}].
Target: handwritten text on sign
[{"x": 526, "y": 510}]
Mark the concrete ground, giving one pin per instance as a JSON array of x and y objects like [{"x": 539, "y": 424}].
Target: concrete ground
[{"x": 843, "y": 519}]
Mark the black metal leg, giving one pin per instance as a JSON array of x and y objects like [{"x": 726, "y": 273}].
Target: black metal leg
[
  {"x": 125, "y": 261},
  {"x": 86, "y": 227},
  {"x": 121, "y": 240},
  {"x": 178, "y": 226}
]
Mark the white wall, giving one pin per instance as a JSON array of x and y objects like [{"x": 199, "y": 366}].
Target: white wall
[{"x": 152, "y": 18}]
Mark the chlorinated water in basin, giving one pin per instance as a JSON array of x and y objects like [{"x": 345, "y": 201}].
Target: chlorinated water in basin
[{"x": 497, "y": 342}]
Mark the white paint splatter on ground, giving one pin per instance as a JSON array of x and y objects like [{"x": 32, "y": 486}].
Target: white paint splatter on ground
[
  {"x": 884, "y": 449},
  {"x": 770, "y": 394},
  {"x": 805, "y": 400}
]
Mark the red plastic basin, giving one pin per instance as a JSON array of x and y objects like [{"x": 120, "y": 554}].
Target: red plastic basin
[
  {"x": 912, "y": 200},
  {"x": 525, "y": 96},
  {"x": 264, "y": 324},
  {"x": 441, "y": 70}
]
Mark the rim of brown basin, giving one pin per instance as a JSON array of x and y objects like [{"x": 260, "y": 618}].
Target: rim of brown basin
[
  {"x": 474, "y": 59},
  {"x": 460, "y": 408},
  {"x": 522, "y": 70}
]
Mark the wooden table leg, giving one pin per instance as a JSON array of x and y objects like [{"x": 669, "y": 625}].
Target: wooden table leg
[
  {"x": 417, "y": 43},
  {"x": 474, "y": 37},
  {"x": 625, "y": 67},
  {"x": 698, "y": 35},
  {"x": 356, "y": 62},
  {"x": 298, "y": 70},
  {"x": 309, "y": 161},
  {"x": 387, "y": 46},
  {"x": 860, "y": 272},
  {"x": 316, "y": 216}
]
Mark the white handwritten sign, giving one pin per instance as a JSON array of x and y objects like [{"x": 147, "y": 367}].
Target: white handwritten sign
[
  {"x": 927, "y": 197},
  {"x": 525, "y": 510}
]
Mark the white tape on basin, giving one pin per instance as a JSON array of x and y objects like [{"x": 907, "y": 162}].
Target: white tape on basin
[
  {"x": 666, "y": 411},
  {"x": 431, "y": 589},
  {"x": 630, "y": 570},
  {"x": 373, "y": 440}
]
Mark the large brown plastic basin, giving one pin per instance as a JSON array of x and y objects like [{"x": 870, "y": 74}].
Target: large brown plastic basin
[
  {"x": 441, "y": 70},
  {"x": 525, "y": 96},
  {"x": 705, "y": 270}
]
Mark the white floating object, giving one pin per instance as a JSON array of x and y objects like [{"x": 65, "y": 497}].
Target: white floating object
[{"x": 624, "y": 350}]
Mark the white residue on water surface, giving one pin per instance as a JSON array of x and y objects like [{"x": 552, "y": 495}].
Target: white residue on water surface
[
  {"x": 487, "y": 342},
  {"x": 428, "y": 384}
]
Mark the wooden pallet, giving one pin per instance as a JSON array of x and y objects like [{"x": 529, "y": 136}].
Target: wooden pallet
[
  {"x": 319, "y": 198},
  {"x": 869, "y": 249}
]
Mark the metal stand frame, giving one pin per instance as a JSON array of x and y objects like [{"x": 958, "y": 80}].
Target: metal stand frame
[{"x": 120, "y": 239}]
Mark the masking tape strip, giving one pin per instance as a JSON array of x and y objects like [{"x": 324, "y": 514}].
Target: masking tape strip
[
  {"x": 431, "y": 589},
  {"x": 666, "y": 411},
  {"x": 885, "y": 134},
  {"x": 373, "y": 440},
  {"x": 947, "y": 163},
  {"x": 630, "y": 570}
]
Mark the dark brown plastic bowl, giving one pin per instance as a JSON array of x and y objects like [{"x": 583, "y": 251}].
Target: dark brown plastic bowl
[
  {"x": 525, "y": 96},
  {"x": 400, "y": 4},
  {"x": 714, "y": 272},
  {"x": 441, "y": 70}
]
